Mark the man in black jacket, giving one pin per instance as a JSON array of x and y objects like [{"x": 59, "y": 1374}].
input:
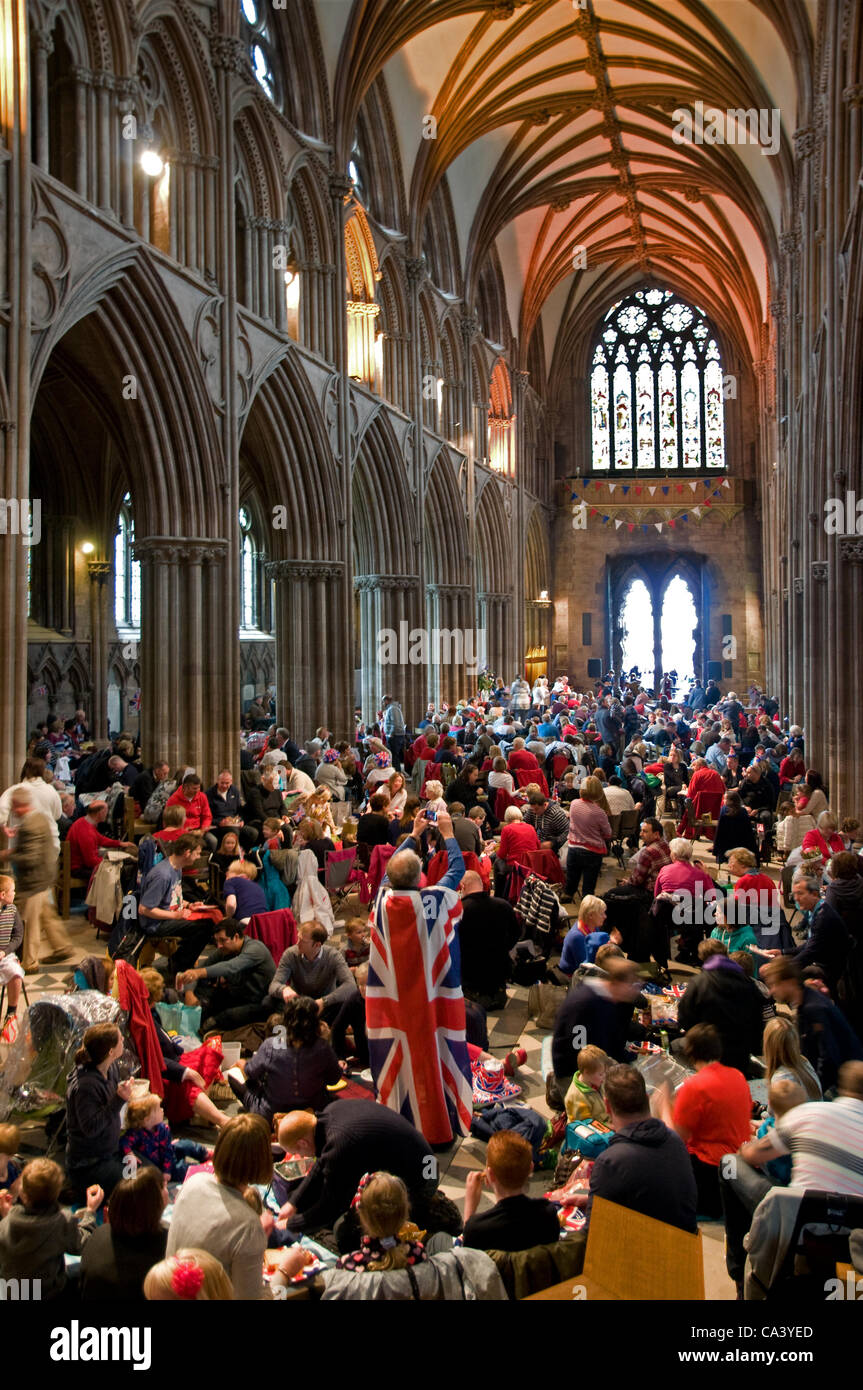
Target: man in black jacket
[
  {"x": 645, "y": 1167},
  {"x": 487, "y": 932},
  {"x": 349, "y": 1139},
  {"x": 724, "y": 996},
  {"x": 597, "y": 1012}
]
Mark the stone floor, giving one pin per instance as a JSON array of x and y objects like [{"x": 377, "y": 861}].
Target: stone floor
[{"x": 509, "y": 1028}]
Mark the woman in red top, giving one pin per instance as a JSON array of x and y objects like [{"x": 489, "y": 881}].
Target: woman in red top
[
  {"x": 517, "y": 840},
  {"x": 824, "y": 837},
  {"x": 711, "y": 1113},
  {"x": 741, "y": 862}
]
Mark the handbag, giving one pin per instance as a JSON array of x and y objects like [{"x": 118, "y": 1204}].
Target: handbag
[
  {"x": 182, "y": 1019},
  {"x": 543, "y": 1003}
]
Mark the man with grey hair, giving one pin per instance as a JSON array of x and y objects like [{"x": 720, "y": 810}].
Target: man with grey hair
[
  {"x": 415, "y": 1014},
  {"x": 827, "y": 941}
]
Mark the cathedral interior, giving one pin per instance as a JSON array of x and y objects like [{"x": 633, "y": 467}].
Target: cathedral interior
[{"x": 478, "y": 316}]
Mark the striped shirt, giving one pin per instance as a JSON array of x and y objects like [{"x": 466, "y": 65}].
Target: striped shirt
[{"x": 825, "y": 1140}]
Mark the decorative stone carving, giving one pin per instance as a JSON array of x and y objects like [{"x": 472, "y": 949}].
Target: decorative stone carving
[
  {"x": 173, "y": 550},
  {"x": 50, "y": 260},
  {"x": 798, "y": 584},
  {"x": 818, "y": 570},
  {"x": 297, "y": 570},
  {"x": 99, "y": 570},
  {"x": 231, "y": 55},
  {"x": 851, "y": 549},
  {"x": 804, "y": 141},
  {"x": 366, "y": 583},
  {"x": 341, "y": 187},
  {"x": 853, "y": 96}
]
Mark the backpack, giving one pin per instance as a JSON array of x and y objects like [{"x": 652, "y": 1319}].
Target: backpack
[{"x": 652, "y": 780}]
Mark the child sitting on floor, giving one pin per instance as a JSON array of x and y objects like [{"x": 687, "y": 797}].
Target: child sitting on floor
[
  {"x": 584, "y": 1100},
  {"x": 148, "y": 1138},
  {"x": 36, "y": 1233},
  {"x": 782, "y": 1095},
  {"x": 516, "y": 1221},
  {"x": 10, "y": 1173},
  {"x": 358, "y": 947}
]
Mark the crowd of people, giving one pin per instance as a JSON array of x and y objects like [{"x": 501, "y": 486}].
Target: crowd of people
[{"x": 469, "y": 836}]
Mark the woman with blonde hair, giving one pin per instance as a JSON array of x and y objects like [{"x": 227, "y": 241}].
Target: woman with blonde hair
[
  {"x": 585, "y": 937},
  {"x": 783, "y": 1060},
  {"x": 190, "y": 1276},
  {"x": 589, "y": 838},
  {"x": 392, "y": 1264},
  {"x": 825, "y": 837}
]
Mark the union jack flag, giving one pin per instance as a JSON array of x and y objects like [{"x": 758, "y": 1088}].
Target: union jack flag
[{"x": 415, "y": 1015}]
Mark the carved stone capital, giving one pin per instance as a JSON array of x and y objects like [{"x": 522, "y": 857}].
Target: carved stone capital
[
  {"x": 798, "y": 584},
  {"x": 174, "y": 550},
  {"x": 42, "y": 41},
  {"x": 818, "y": 570},
  {"x": 450, "y": 590},
  {"x": 469, "y": 325},
  {"x": 370, "y": 583},
  {"x": 853, "y": 96},
  {"x": 300, "y": 571},
  {"x": 851, "y": 549},
  {"x": 415, "y": 270}
]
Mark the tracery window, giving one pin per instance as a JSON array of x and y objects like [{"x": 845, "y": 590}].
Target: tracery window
[
  {"x": 656, "y": 388},
  {"x": 262, "y": 49},
  {"x": 127, "y": 572},
  {"x": 249, "y": 588}
]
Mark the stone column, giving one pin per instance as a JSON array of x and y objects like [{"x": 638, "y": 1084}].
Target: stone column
[
  {"x": 188, "y": 653},
  {"x": 341, "y": 189},
  {"x": 99, "y": 572},
  {"x": 312, "y": 669},
  {"x": 41, "y": 45},
  {"x": 15, "y": 365}
]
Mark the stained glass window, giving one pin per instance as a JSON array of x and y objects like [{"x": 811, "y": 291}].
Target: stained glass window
[
  {"x": 656, "y": 387},
  {"x": 249, "y": 590}
]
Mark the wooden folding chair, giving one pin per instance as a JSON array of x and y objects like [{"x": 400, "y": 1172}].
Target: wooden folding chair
[
  {"x": 633, "y": 1257},
  {"x": 66, "y": 881}
]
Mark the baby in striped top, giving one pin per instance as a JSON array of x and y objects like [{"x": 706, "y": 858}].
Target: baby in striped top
[{"x": 11, "y": 970}]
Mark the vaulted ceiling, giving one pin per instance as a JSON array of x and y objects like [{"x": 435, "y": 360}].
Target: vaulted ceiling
[{"x": 555, "y": 131}]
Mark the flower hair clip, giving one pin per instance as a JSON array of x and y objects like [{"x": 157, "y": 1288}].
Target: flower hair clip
[{"x": 187, "y": 1279}]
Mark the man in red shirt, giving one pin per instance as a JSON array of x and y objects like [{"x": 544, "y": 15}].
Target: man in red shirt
[
  {"x": 704, "y": 779},
  {"x": 517, "y": 840},
  {"x": 194, "y": 803},
  {"x": 710, "y": 1113},
  {"x": 85, "y": 840},
  {"x": 520, "y": 758}
]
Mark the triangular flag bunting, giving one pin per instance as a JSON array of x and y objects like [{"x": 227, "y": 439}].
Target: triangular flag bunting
[
  {"x": 658, "y": 525},
  {"x": 651, "y": 490},
  {"x": 679, "y": 487},
  {"x": 643, "y": 526},
  {"x": 593, "y": 511},
  {"x": 604, "y": 520},
  {"x": 631, "y": 525},
  {"x": 665, "y": 492},
  {"x": 725, "y": 482},
  {"x": 597, "y": 485},
  {"x": 683, "y": 518},
  {"x": 692, "y": 487},
  {"x": 573, "y": 498},
  {"x": 611, "y": 487},
  {"x": 617, "y": 523},
  {"x": 626, "y": 489},
  {"x": 671, "y": 521},
  {"x": 697, "y": 511},
  {"x": 638, "y": 492},
  {"x": 707, "y": 502}
]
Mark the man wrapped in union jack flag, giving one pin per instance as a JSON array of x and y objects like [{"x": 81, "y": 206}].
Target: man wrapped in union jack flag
[{"x": 415, "y": 1016}]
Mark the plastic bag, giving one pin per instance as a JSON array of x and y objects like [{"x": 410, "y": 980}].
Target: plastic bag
[
  {"x": 181, "y": 1019},
  {"x": 34, "y": 1072}
]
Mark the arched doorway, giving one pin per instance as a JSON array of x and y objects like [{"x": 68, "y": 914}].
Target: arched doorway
[{"x": 659, "y": 615}]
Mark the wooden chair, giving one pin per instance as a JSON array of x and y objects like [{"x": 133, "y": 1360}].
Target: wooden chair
[
  {"x": 632, "y": 1257},
  {"x": 66, "y": 881},
  {"x": 135, "y": 828}
]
